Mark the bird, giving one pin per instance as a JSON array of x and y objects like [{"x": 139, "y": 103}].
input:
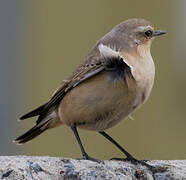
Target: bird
[{"x": 114, "y": 80}]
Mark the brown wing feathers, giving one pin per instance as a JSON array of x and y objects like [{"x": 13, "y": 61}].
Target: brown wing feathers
[{"x": 85, "y": 71}]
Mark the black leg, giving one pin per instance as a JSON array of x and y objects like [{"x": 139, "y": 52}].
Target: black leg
[
  {"x": 129, "y": 156},
  {"x": 84, "y": 154}
]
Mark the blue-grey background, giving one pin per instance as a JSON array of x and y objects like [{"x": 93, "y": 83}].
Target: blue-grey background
[{"x": 41, "y": 42}]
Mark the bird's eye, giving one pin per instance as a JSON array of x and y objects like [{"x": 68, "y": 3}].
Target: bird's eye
[{"x": 148, "y": 33}]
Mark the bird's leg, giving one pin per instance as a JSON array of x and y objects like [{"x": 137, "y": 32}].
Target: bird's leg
[
  {"x": 129, "y": 156},
  {"x": 84, "y": 154}
]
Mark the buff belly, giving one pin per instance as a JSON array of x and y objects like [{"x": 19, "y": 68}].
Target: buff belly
[{"x": 99, "y": 103}]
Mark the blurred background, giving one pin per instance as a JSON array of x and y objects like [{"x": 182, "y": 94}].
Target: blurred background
[{"x": 41, "y": 43}]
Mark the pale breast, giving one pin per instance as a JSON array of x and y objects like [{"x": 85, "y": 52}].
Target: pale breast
[{"x": 143, "y": 70}]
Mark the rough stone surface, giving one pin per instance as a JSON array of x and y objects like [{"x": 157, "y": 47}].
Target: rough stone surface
[{"x": 52, "y": 168}]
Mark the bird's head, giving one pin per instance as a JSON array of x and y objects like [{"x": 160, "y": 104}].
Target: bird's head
[{"x": 132, "y": 35}]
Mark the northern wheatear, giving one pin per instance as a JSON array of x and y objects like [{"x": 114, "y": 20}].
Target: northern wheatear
[{"x": 115, "y": 79}]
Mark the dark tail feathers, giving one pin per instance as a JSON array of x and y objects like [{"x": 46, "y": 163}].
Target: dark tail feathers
[
  {"x": 32, "y": 133},
  {"x": 33, "y": 113},
  {"x": 42, "y": 123}
]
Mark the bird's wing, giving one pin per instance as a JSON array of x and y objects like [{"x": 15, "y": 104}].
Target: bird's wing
[
  {"x": 70, "y": 84},
  {"x": 106, "y": 60}
]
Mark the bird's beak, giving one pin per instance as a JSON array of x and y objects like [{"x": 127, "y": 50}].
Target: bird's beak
[{"x": 158, "y": 33}]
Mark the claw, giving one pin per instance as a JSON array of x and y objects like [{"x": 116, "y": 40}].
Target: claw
[
  {"x": 87, "y": 157},
  {"x": 135, "y": 162}
]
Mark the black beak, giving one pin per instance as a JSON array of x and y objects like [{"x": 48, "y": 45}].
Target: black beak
[{"x": 159, "y": 33}]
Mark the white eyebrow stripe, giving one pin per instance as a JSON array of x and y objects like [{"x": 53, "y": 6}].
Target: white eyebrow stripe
[
  {"x": 107, "y": 51},
  {"x": 144, "y": 27}
]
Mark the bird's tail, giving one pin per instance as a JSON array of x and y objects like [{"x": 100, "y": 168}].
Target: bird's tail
[
  {"x": 32, "y": 133},
  {"x": 33, "y": 113},
  {"x": 45, "y": 121}
]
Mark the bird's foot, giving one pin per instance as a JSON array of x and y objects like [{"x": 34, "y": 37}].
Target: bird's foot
[
  {"x": 87, "y": 157},
  {"x": 135, "y": 162}
]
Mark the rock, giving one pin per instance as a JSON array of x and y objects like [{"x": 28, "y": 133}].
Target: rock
[{"x": 52, "y": 168}]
